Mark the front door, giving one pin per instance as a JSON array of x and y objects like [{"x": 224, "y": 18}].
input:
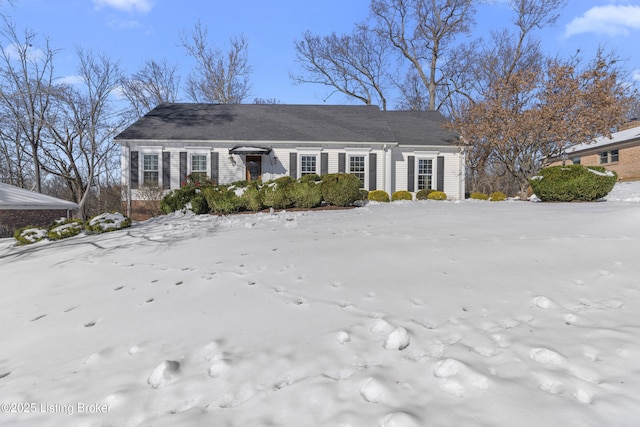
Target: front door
[{"x": 254, "y": 168}]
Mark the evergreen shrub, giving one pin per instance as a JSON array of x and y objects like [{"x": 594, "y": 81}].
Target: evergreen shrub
[
  {"x": 29, "y": 234},
  {"x": 221, "y": 199},
  {"x": 199, "y": 204},
  {"x": 437, "y": 195},
  {"x": 251, "y": 198},
  {"x": 424, "y": 193},
  {"x": 476, "y": 195},
  {"x": 401, "y": 195},
  {"x": 109, "y": 221},
  {"x": 306, "y": 194},
  {"x": 276, "y": 194},
  {"x": 497, "y": 196},
  {"x": 340, "y": 189},
  {"x": 65, "y": 228},
  {"x": 573, "y": 182},
  {"x": 378, "y": 196}
]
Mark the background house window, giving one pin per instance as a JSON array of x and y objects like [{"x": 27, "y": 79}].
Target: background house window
[
  {"x": 611, "y": 156},
  {"x": 198, "y": 167},
  {"x": 357, "y": 168},
  {"x": 307, "y": 165},
  {"x": 575, "y": 160},
  {"x": 425, "y": 173},
  {"x": 150, "y": 169}
]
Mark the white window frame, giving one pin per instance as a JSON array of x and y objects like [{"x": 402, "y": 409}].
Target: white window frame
[
  {"x": 206, "y": 163},
  {"x": 157, "y": 170},
  {"x": 308, "y": 152},
  {"x": 365, "y": 165},
  {"x": 426, "y": 155}
]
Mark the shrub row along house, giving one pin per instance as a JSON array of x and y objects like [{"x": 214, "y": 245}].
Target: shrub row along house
[{"x": 387, "y": 150}]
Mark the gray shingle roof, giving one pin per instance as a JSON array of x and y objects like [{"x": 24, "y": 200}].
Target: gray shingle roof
[
  {"x": 280, "y": 122},
  {"x": 15, "y": 198}
]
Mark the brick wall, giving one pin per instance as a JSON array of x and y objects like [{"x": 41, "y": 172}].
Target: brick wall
[
  {"x": 11, "y": 220},
  {"x": 627, "y": 168}
]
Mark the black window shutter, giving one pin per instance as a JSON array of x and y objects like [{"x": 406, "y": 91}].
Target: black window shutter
[
  {"x": 166, "y": 170},
  {"x": 133, "y": 164},
  {"x": 293, "y": 165},
  {"x": 183, "y": 167},
  {"x": 342, "y": 162},
  {"x": 373, "y": 167},
  {"x": 324, "y": 163},
  {"x": 440, "y": 178},
  {"x": 411, "y": 176},
  {"x": 215, "y": 167}
]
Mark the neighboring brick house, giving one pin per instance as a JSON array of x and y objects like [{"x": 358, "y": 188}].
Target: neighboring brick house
[
  {"x": 20, "y": 207},
  {"x": 388, "y": 150},
  {"x": 620, "y": 153}
]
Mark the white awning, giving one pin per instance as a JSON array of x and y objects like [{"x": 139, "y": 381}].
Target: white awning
[{"x": 250, "y": 150}]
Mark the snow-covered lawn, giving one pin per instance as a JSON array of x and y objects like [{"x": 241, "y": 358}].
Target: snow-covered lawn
[{"x": 404, "y": 314}]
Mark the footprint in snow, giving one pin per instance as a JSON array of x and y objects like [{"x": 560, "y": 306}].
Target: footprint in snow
[
  {"x": 38, "y": 317},
  {"x": 164, "y": 374},
  {"x": 4, "y": 374}
]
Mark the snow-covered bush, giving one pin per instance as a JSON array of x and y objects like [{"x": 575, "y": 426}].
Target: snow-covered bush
[
  {"x": 424, "y": 194},
  {"x": 437, "y": 195},
  {"x": 573, "y": 182},
  {"x": 378, "y": 196},
  {"x": 497, "y": 196},
  {"x": 251, "y": 198},
  {"x": 64, "y": 228},
  {"x": 109, "y": 221},
  {"x": 401, "y": 195},
  {"x": 476, "y": 195},
  {"x": 30, "y": 234},
  {"x": 340, "y": 189}
]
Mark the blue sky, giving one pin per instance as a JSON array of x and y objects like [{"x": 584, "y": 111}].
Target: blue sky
[{"x": 132, "y": 31}]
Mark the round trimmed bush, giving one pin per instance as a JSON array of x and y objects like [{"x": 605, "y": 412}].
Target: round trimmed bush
[
  {"x": 340, "y": 189},
  {"x": 199, "y": 204},
  {"x": 437, "y": 195},
  {"x": 497, "y": 196},
  {"x": 306, "y": 194},
  {"x": 65, "y": 228},
  {"x": 573, "y": 182},
  {"x": 476, "y": 195},
  {"x": 378, "y": 196},
  {"x": 424, "y": 193},
  {"x": 29, "y": 234},
  {"x": 277, "y": 193},
  {"x": 401, "y": 195},
  {"x": 177, "y": 199},
  {"x": 221, "y": 200},
  {"x": 251, "y": 198},
  {"x": 312, "y": 177},
  {"x": 110, "y": 221}
]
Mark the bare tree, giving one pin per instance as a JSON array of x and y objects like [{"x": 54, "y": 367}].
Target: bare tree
[
  {"x": 153, "y": 84},
  {"x": 421, "y": 31},
  {"x": 81, "y": 127},
  {"x": 354, "y": 65},
  {"x": 530, "y": 118},
  {"x": 26, "y": 78},
  {"x": 220, "y": 77}
]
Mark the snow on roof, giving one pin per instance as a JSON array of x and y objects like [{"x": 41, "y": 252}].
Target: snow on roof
[
  {"x": 616, "y": 137},
  {"x": 14, "y": 198}
]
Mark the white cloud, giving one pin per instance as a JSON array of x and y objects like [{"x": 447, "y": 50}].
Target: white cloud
[
  {"x": 70, "y": 80},
  {"x": 142, "y": 6},
  {"x": 611, "y": 20}
]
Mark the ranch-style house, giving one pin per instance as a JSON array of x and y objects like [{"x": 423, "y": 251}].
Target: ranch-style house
[{"x": 387, "y": 150}]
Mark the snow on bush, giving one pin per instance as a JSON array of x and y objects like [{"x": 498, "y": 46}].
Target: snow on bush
[{"x": 110, "y": 221}]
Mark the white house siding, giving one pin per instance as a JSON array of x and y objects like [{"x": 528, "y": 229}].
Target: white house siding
[{"x": 452, "y": 169}]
